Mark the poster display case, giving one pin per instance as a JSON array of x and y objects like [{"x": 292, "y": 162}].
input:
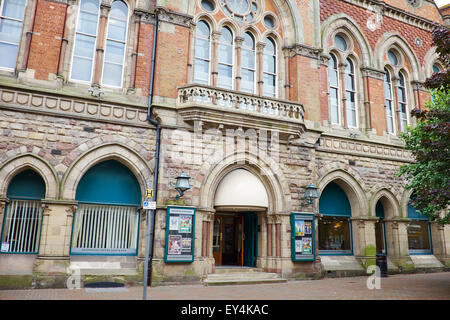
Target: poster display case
[
  {"x": 302, "y": 236},
  {"x": 180, "y": 234}
]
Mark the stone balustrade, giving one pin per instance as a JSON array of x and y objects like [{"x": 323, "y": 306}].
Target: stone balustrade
[{"x": 202, "y": 95}]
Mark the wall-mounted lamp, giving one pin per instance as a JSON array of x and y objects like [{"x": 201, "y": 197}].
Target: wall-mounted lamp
[
  {"x": 182, "y": 184},
  {"x": 311, "y": 193}
]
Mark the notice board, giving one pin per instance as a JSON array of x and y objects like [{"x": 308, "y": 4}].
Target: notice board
[
  {"x": 180, "y": 234},
  {"x": 302, "y": 237}
]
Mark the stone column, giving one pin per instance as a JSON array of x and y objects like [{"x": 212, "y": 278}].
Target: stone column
[
  {"x": 395, "y": 107},
  {"x": 367, "y": 239},
  {"x": 438, "y": 241},
  {"x": 238, "y": 45},
  {"x": 99, "y": 54},
  {"x": 287, "y": 86},
  {"x": 3, "y": 204},
  {"x": 51, "y": 265},
  {"x": 259, "y": 66},
  {"x": 215, "y": 57},
  {"x": 343, "y": 113}
]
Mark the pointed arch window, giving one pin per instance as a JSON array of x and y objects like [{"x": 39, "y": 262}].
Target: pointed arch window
[
  {"x": 85, "y": 39},
  {"x": 333, "y": 76},
  {"x": 248, "y": 64},
  {"x": 115, "y": 44},
  {"x": 202, "y": 53},
  {"x": 388, "y": 96},
  {"x": 401, "y": 95},
  {"x": 350, "y": 94},
  {"x": 225, "y": 63},
  {"x": 11, "y": 21},
  {"x": 270, "y": 68}
]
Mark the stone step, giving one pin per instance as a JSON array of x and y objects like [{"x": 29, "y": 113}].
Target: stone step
[
  {"x": 234, "y": 278},
  {"x": 223, "y": 270},
  {"x": 113, "y": 272},
  {"x": 255, "y": 275}
]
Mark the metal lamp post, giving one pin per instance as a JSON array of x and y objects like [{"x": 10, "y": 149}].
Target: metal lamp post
[{"x": 182, "y": 184}]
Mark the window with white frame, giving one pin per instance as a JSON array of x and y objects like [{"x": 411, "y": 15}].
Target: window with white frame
[
  {"x": 333, "y": 76},
  {"x": 388, "y": 96},
  {"x": 350, "y": 94},
  {"x": 202, "y": 53},
  {"x": 225, "y": 62},
  {"x": 401, "y": 95},
  {"x": 85, "y": 40},
  {"x": 248, "y": 64},
  {"x": 115, "y": 44},
  {"x": 270, "y": 68},
  {"x": 11, "y": 21}
]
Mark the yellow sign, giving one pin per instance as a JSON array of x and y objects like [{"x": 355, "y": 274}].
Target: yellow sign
[{"x": 149, "y": 193}]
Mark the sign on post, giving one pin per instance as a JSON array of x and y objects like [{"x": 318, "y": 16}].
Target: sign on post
[
  {"x": 302, "y": 237},
  {"x": 149, "y": 205},
  {"x": 180, "y": 234}
]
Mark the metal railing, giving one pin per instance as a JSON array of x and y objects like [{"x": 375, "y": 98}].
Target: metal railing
[{"x": 22, "y": 228}]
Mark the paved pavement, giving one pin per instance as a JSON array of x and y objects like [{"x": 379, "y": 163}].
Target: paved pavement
[{"x": 431, "y": 286}]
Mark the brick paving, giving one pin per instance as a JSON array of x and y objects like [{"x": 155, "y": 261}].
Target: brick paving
[{"x": 430, "y": 286}]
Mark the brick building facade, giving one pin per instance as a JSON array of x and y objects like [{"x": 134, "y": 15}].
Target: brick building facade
[{"x": 256, "y": 99}]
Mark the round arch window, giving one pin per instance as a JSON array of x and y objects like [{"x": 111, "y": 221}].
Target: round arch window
[
  {"x": 392, "y": 57},
  {"x": 340, "y": 42},
  {"x": 208, "y": 5},
  {"x": 269, "y": 21}
]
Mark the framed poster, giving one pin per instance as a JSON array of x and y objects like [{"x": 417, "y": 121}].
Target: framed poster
[
  {"x": 180, "y": 234},
  {"x": 302, "y": 236}
]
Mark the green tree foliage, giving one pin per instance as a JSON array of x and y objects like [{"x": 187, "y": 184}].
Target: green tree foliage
[{"x": 429, "y": 141}]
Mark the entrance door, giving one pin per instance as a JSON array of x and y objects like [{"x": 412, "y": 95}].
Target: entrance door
[{"x": 235, "y": 239}]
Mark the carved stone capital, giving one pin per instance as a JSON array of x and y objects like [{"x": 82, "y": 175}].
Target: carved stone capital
[
  {"x": 169, "y": 16},
  {"x": 307, "y": 51},
  {"x": 372, "y": 73}
]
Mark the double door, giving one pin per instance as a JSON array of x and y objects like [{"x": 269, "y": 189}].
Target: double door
[{"x": 235, "y": 239}]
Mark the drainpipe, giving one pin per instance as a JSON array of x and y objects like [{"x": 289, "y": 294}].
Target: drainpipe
[
  {"x": 29, "y": 35},
  {"x": 151, "y": 235}
]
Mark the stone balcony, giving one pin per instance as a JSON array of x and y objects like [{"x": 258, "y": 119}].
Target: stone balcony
[{"x": 198, "y": 102}]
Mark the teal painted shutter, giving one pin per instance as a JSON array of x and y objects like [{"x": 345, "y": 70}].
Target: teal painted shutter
[
  {"x": 109, "y": 182},
  {"x": 334, "y": 202},
  {"x": 27, "y": 184}
]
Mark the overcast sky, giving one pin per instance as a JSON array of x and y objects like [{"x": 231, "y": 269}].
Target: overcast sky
[{"x": 441, "y": 3}]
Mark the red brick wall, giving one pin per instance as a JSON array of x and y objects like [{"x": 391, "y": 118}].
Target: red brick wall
[
  {"x": 171, "y": 61},
  {"x": 46, "y": 42},
  {"x": 144, "y": 59},
  {"x": 360, "y": 15}
]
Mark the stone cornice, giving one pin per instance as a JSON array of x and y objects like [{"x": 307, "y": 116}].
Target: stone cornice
[
  {"x": 395, "y": 13},
  {"x": 363, "y": 149},
  {"x": 57, "y": 105}
]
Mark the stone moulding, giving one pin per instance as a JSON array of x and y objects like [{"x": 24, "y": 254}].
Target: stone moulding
[
  {"x": 71, "y": 107},
  {"x": 365, "y": 149},
  {"x": 204, "y": 103}
]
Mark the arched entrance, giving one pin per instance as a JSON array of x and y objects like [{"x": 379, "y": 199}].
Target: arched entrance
[{"x": 239, "y": 198}]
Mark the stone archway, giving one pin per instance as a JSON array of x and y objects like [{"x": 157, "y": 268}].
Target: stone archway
[{"x": 130, "y": 158}]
